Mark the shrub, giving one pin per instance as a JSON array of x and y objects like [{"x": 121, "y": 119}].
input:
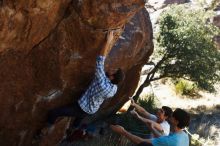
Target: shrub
[
  {"x": 148, "y": 103},
  {"x": 184, "y": 87}
]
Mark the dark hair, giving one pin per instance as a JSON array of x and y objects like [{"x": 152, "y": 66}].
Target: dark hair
[
  {"x": 167, "y": 111},
  {"x": 182, "y": 117},
  {"x": 118, "y": 76}
]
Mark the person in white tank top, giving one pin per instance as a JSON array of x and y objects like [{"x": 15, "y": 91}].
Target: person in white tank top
[{"x": 158, "y": 124}]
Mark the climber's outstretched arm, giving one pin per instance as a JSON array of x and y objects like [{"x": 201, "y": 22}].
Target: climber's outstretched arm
[
  {"x": 108, "y": 44},
  {"x": 100, "y": 60}
]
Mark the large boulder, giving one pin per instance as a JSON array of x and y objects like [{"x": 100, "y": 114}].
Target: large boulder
[
  {"x": 216, "y": 22},
  {"x": 217, "y": 41},
  {"x": 47, "y": 58},
  {"x": 175, "y": 1},
  {"x": 158, "y": 4}
]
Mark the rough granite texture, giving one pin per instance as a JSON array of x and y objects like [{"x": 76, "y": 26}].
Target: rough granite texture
[{"x": 47, "y": 59}]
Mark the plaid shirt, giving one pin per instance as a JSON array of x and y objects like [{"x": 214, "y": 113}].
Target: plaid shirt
[{"x": 100, "y": 89}]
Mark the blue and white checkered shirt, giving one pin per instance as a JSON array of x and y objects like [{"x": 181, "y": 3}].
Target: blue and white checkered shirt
[{"x": 100, "y": 89}]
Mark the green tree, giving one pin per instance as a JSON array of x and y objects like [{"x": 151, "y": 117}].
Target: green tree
[
  {"x": 185, "y": 48},
  {"x": 214, "y": 4}
]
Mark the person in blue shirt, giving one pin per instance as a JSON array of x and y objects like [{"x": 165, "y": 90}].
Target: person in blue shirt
[
  {"x": 103, "y": 86},
  {"x": 179, "y": 120}
]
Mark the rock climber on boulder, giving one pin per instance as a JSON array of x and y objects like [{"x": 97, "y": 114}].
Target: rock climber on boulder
[{"x": 103, "y": 86}]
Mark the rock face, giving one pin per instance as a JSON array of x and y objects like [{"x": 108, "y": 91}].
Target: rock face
[
  {"x": 217, "y": 41},
  {"x": 216, "y": 22},
  {"x": 175, "y": 1},
  {"x": 47, "y": 58},
  {"x": 158, "y": 4}
]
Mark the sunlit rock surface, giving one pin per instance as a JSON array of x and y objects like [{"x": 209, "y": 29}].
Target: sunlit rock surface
[{"x": 47, "y": 58}]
